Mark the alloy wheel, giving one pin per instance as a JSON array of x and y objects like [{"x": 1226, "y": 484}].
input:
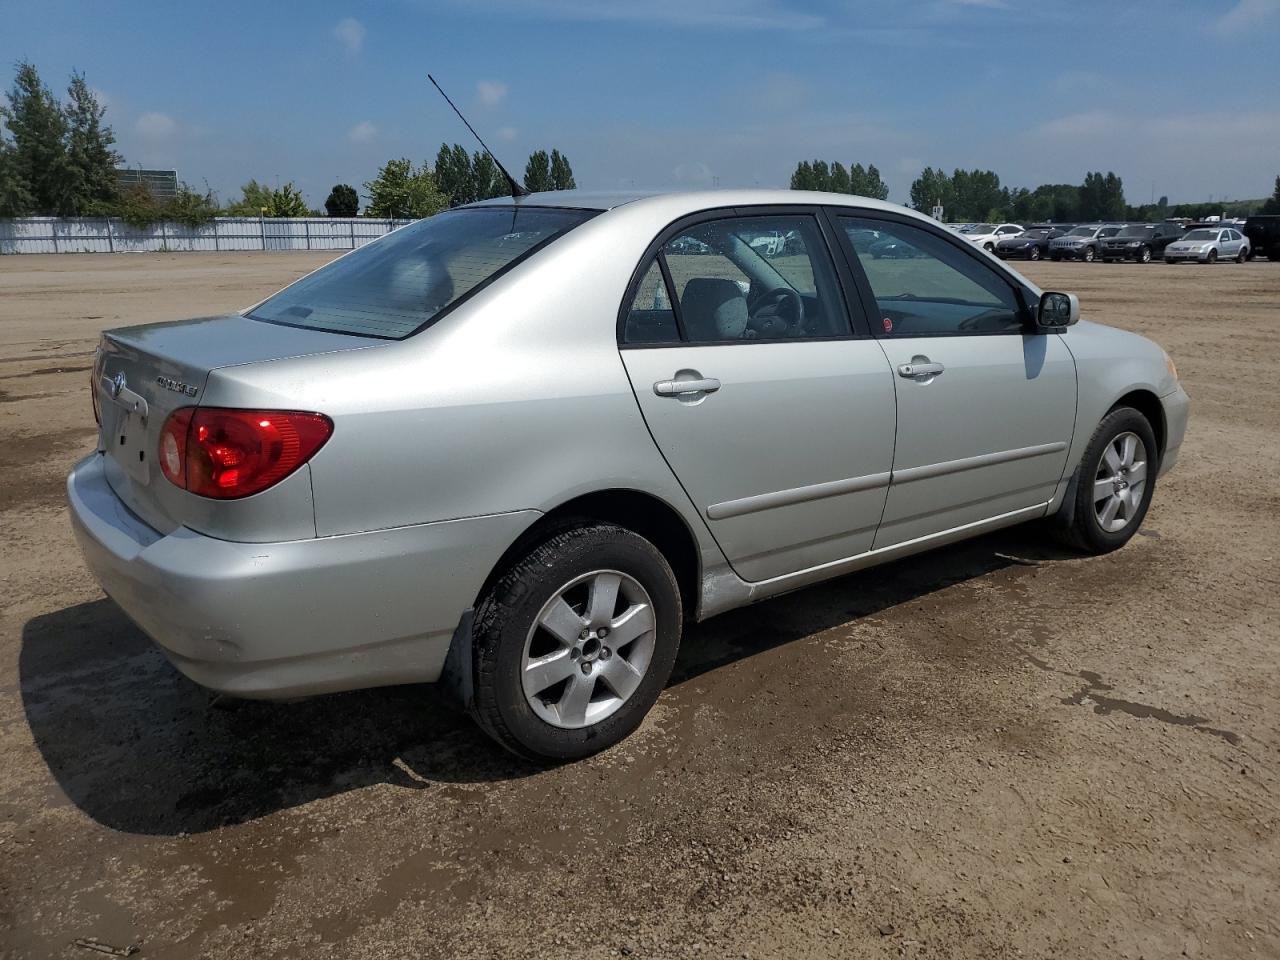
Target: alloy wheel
[
  {"x": 588, "y": 649},
  {"x": 1120, "y": 482}
]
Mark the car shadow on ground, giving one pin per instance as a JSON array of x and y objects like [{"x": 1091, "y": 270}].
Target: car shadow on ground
[{"x": 141, "y": 749}]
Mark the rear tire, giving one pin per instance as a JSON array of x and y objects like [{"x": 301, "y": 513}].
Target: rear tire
[
  {"x": 1112, "y": 486},
  {"x": 575, "y": 642},
  {"x": 1242, "y": 256}
]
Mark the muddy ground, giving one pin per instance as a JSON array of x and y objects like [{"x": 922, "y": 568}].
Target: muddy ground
[{"x": 996, "y": 750}]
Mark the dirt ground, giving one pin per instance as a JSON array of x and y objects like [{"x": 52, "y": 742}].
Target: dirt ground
[{"x": 995, "y": 750}]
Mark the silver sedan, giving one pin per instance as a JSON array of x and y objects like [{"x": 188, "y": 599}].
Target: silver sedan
[
  {"x": 1209, "y": 245},
  {"x": 518, "y": 446}
]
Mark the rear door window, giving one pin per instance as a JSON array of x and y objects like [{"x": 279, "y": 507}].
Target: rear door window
[{"x": 398, "y": 285}]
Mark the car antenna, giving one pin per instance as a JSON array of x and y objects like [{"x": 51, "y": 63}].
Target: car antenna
[{"x": 517, "y": 191}]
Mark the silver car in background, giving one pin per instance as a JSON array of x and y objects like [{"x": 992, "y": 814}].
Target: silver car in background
[
  {"x": 518, "y": 446},
  {"x": 1209, "y": 245}
]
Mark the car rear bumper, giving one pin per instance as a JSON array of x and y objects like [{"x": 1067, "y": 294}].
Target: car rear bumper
[
  {"x": 1177, "y": 406},
  {"x": 292, "y": 618}
]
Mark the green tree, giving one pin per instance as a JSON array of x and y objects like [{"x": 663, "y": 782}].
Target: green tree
[
  {"x": 455, "y": 174},
  {"x": 255, "y": 200},
  {"x": 932, "y": 188},
  {"x": 821, "y": 175},
  {"x": 840, "y": 180},
  {"x": 802, "y": 179},
  {"x": 15, "y": 197},
  {"x": 561, "y": 172},
  {"x": 488, "y": 181},
  {"x": 343, "y": 201},
  {"x": 537, "y": 172},
  {"x": 1273, "y": 202},
  {"x": 1102, "y": 197},
  {"x": 189, "y": 207},
  {"x": 90, "y": 147},
  {"x": 867, "y": 183},
  {"x": 287, "y": 201},
  {"x": 402, "y": 191},
  {"x": 975, "y": 194},
  {"x": 39, "y": 128}
]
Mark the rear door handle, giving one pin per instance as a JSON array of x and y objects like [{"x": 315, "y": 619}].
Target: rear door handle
[
  {"x": 674, "y": 388},
  {"x": 915, "y": 371}
]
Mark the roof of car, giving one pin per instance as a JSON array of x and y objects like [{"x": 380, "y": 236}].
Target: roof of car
[{"x": 693, "y": 200}]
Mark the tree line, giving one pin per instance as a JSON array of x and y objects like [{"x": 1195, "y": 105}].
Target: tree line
[
  {"x": 977, "y": 196},
  {"x": 59, "y": 159}
]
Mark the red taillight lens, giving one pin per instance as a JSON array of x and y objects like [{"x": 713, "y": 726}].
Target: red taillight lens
[{"x": 226, "y": 454}]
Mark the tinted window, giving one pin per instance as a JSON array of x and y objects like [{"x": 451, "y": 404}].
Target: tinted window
[
  {"x": 396, "y": 286},
  {"x": 650, "y": 318},
  {"x": 924, "y": 286},
  {"x": 754, "y": 278}
]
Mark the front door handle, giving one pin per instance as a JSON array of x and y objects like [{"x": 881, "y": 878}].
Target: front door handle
[
  {"x": 675, "y": 388},
  {"x": 920, "y": 369}
]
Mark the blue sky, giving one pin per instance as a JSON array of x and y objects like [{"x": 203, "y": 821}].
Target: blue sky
[{"x": 1177, "y": 96}]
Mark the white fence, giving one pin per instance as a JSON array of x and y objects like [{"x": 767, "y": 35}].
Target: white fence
[{"x": 103, "y": 235}]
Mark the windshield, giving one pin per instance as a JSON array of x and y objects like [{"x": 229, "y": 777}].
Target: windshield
[
  {"x": 1202, "y": 235},
  {"x": 978, "y": 228},
  {"x": 396, "y": 286},
  {"x": 1082, "y": 232},
  {"x": 1138, "y": 231},
  {"x": 1033, "y": 234}
]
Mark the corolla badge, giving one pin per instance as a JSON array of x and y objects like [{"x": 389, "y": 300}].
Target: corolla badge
[{"x": 176, "y": 385}]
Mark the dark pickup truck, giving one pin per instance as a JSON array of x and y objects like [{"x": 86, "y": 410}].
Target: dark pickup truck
[
  {"x": 1140, "y": 241},
  {"x": 1263, "y": 232}
]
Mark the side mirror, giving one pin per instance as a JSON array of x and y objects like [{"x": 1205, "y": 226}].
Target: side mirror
[{"x": 1057, "y": 310}]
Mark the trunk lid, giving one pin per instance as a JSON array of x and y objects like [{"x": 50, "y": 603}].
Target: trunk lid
[{"x": 142, "y": 374}]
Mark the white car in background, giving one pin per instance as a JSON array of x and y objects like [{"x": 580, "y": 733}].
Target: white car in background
[
  {"x": 987, "y": 235},
  {"x": 1208, "y": 245}
]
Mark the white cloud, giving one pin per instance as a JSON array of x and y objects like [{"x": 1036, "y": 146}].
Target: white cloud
[
  {"x": 507, "y": 133},
  {"x": 350, "y": 33},
  {"x": 1092, "y": 123},
  {"x": 155, "y": 126},
  {"x": 491, "y": 92},
  {"x": 1246, "y": 15},
  {"x": 720, "y": 14},
  {"x": 362, "y": 132}
]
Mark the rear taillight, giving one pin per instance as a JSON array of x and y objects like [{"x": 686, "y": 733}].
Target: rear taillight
[{"x": 226, "y": 453}]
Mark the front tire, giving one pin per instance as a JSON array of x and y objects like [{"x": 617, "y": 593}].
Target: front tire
[
  {"x": 1088, "y": 255},
  {"x": 575, "y": 642},
  {"x": 1144, "y": 255},
  {"x": 1113, "y": 485},
  {"x": 1033, "y": 253},
  {"x": 1212, "y": 258}
]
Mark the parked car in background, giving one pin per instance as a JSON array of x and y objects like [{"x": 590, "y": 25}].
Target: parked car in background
[
  {"x": 1082, "y": 242},
  {"x": 1032, "y": 243},
  {"x": 519, "y": 470},
  {"x": 1140, "y": 241},
  {"x": 987, "y": 235},
  {"x": 1209, "y": 245},
  {"x": 1263, "y": 232}
]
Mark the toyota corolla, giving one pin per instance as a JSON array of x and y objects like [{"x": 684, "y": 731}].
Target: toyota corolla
[{"x": 518, "y": 447}]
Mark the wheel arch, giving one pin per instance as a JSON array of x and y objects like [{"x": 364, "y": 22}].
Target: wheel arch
[
  {"x": 643, "y": 513},
  {"x": 1147, "y": 404}
]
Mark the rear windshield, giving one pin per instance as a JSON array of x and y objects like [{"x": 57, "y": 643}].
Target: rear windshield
[{"x": 396, "y": 286}]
